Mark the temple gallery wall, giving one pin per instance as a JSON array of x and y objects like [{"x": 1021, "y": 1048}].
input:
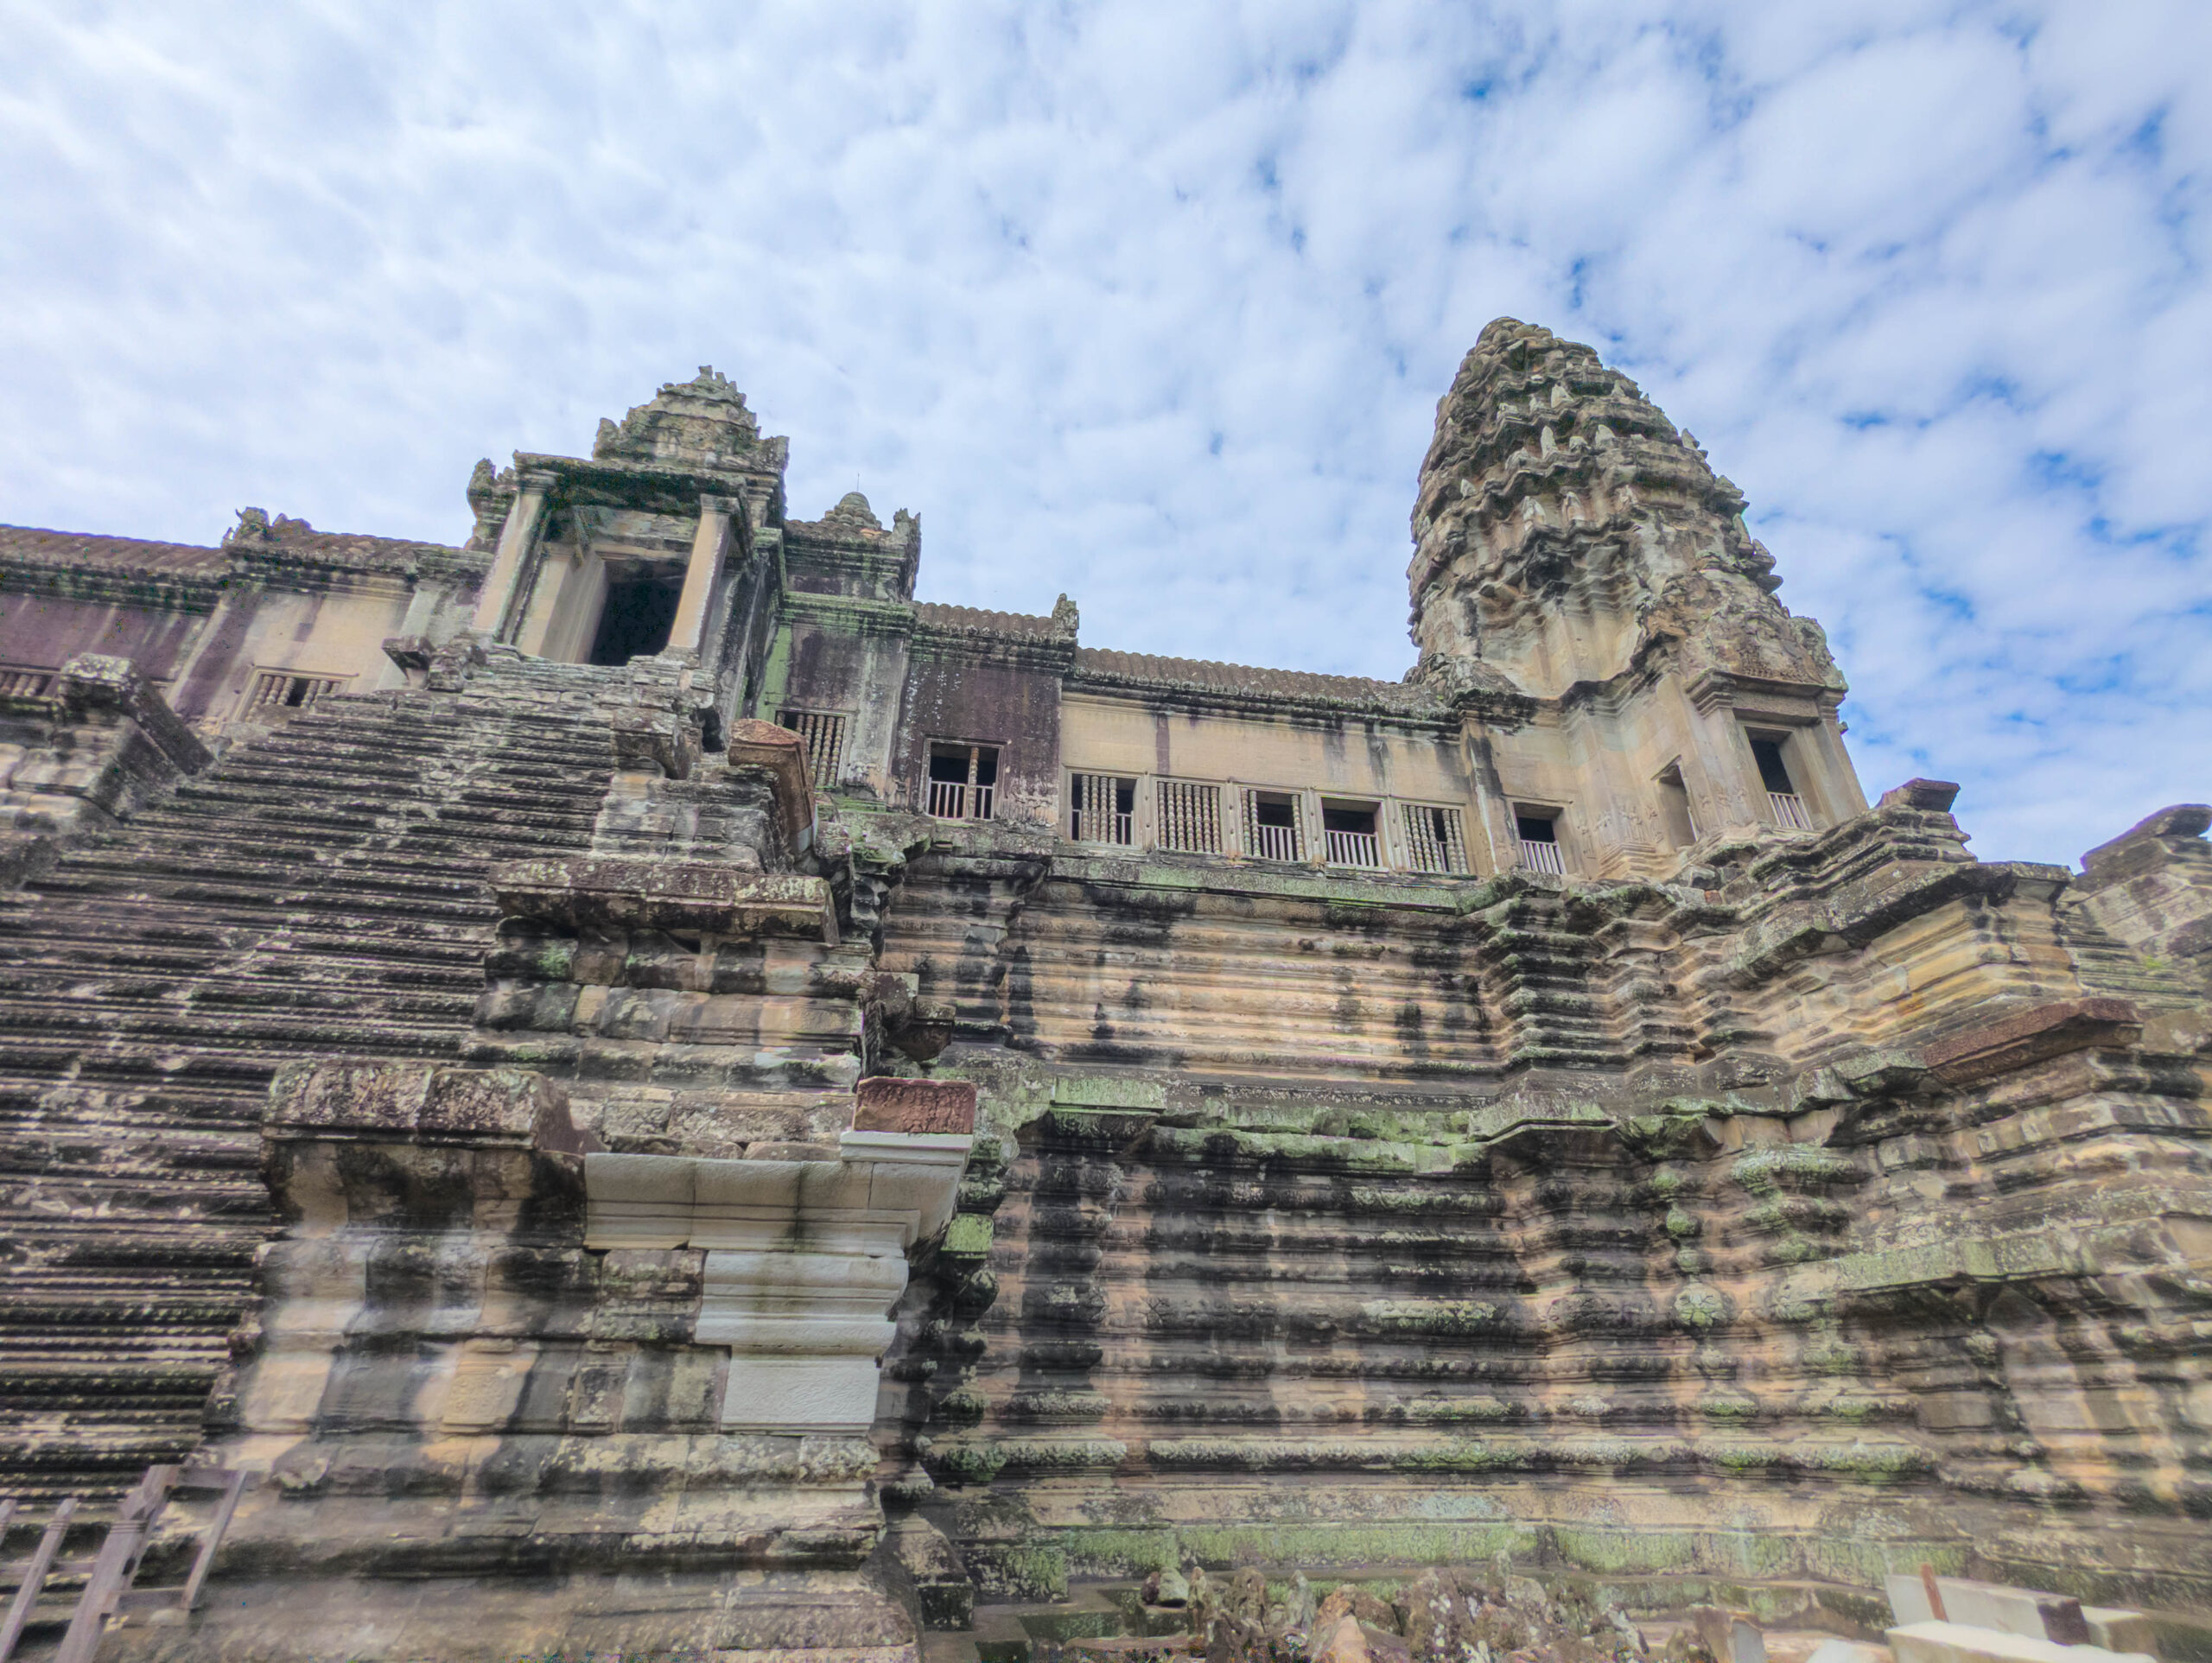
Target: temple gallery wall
[{"x": 624, "y": 1084}]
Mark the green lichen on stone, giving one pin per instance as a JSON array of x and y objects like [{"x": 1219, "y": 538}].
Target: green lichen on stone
[
  {"x": 1858, "y": 1407},
  {"x": 1108, "y": 1091},
  {"x": 1742, "y": 1458},
  {"x": 966, "y": 1464},
  {"x": 1793, "y": 1165},
  {"x": 1680, "y": 1225},
  {"x": 1061, "y": 1455},
  {"x": 964, "y": 1407},
  {"x": 1616, "y": 1553},
  {"x": 1830, "y": 1356},
  {"x": 1224, "y": 1548},
  {"x": 1021, "y": 1572},
  {"x": 1450, "y": 1409},
  {"x": 968, "y": 1236},
  {"x": 1442, "y": 1317},
  {"x": 1058, "y": 1405},
  {"x": 1870, "y": 1463},
  {"x": 1460, "y": 1455},
  {"x": 1734, "y": 1408},
  {"x": 1414, "y": 1202},
  {"x": 1700, "y": 1308},
  {"x": 1793, "y": 1307},
  {"x": 1108, "y": 1553}
]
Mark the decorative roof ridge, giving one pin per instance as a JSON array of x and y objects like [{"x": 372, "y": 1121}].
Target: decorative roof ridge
[
  {"x": 45, "y": 545},
  {"x": 944, "y": 615},
  {"x": 1216, "y": 676}
]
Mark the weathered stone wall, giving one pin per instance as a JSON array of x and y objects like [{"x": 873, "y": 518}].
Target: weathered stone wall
[
  {"x": 1753, "y": 1207},
  {"x": 1770, "y": 1233}
]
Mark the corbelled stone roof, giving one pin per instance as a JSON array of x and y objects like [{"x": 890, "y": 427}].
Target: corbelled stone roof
[
  {"x": 976, "y": 619},
  {"x": 258, "y": 536},
  {"x": 1101, "y": 663},
  {"x": 42, "y": 547}
]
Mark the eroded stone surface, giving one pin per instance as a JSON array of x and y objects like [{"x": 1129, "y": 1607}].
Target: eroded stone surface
[{"x": 690, "y": 1153}]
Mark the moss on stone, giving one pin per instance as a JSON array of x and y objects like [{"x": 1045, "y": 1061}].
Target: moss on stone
[
  {"x": 1107, "y": 1552},
  {"x": 1793, "y": 1165},
  {"x": 968, "y": 1236},
  {"x": 1024, "y": 1571},
  {"x": 1222, "y": 1548},
  {"x": 1450, "y": 1409},
  {"x": 1700, "y": 1309},
  {"x": 966, "y": 1464},
  {"x": 1442, "y": 1317}
]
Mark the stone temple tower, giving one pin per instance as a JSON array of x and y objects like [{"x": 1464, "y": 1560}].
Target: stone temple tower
[
  {"x": 626, "y": 1086},
  {"x": 1576, "y": 562}
]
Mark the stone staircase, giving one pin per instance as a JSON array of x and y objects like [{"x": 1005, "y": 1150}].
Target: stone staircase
[{"x": 315, "y": 892}]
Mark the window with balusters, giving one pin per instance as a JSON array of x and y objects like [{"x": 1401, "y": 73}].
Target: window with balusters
[
  {"x": 1436, "y": 839},
  {"x": 274, "y": 691},
  {"x": 1198, "y": 817},
  {"x": 1351, "y": 832},
  {"x": 1272, "y": 831},
  {"x": 1187, "y": 816},
  {"x": 1102, "y": 808},
  {"x": 963, "y": 781},
  {"x": 824, "y": 733}
]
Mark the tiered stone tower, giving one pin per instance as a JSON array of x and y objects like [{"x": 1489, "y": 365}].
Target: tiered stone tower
[{"x": 656, "y": 1092}]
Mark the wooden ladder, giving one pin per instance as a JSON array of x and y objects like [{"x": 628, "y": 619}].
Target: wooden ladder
[{"x": 108, "y": 1574}]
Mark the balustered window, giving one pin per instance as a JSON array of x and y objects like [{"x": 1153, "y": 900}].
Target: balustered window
[
  {"x": 825, "y": 733},
  {"x": 272, "y": 690},
  {"x": 1102, "y": 808},
  {"x": 1350, "y": 834},
  {"x": 1785, "y": 801},
  {"x": 1189, "y": 814},
  {"x": 1271, "y": 828},
  {"x": 1436, "y": 839},
  {"x": 962, "y": 780},
  {"x": 1535, "y": 833}
]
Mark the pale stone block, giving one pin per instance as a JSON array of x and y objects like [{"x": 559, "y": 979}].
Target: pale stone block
[
  {"x": 1907, "y": 1600},
  {"x": 638, "y": 1201},
  {"x": 912, "y": 1148},
  {"x": 2013, "y": 1611},
  {"x": 749, "y": 1186},
  {"x": 2117, "y": 1630},
  {"x": 1840, "y": 1650},
  {"x": 800, "y": 1395},
  {"x": 1954, "y": 1642},
  {"x": 839, "y": 1186}
]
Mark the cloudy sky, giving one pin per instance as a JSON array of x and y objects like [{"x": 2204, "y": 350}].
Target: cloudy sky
[{"x": 1152, "y": 302}]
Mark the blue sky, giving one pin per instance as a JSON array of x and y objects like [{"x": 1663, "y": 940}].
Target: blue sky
[{"x": 1152, "y": 302}]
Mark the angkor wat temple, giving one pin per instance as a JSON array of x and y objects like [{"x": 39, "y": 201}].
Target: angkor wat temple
[{"x": 647, "y": 1090}]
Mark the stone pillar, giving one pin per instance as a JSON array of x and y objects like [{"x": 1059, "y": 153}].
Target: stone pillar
[
  {"x": 689, "y": 628},
  {"x": 499, "y": 601}
]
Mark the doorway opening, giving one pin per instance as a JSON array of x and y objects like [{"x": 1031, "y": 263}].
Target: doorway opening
[{"x": 635, "y": 622}]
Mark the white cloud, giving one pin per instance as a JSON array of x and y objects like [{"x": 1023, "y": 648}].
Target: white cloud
[{"x": 1152, "y": 302}]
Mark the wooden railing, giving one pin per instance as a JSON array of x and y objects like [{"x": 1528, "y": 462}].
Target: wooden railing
[
  {"x": 1790, "y": 811},
  {"x": 952, "y": 799},
  {"x": 1543, "y": 857},
  {"x": 106, "y": 1589},
  {"x": 1354, "y": 848}
]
